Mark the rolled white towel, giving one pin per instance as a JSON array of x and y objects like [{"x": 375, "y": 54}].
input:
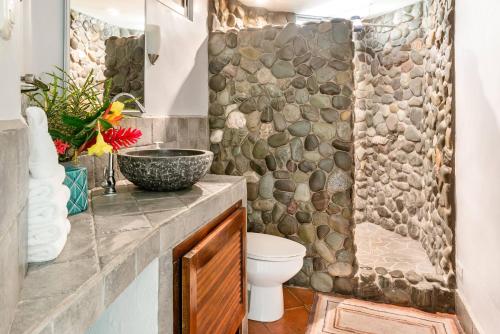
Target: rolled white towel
[
  {"x": 41, "y": 215},
  {"x": 43, "y": 155},
  {"x": 58, "y": 200},
  {"x": 44, "y": 188},
  {"x": 46, "y": 252},
  {"x": 44, "y": 234}
]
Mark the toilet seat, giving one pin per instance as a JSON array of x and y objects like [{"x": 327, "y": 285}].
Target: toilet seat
[{"x": 269, "y": 248}]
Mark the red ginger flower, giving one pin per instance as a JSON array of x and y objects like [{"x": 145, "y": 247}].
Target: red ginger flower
[
  {"x": 122, "y": 137},
  {"x": 61, "y": 146}
]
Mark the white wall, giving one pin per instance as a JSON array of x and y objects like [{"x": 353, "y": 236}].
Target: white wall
[
  {"x": 135, "y": 310},
  {"x": 178, "y": 83},
  {"x": 44, "y": 41},
  {"x": 10, "y": 70},
  {"x": 478, "y": 159},
  {"x": 36, "y": 47}
]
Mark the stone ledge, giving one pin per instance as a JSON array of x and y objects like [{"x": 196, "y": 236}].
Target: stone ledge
[
  {"x": 14, "y": 178},
  {"x": 70, "y": 293}
]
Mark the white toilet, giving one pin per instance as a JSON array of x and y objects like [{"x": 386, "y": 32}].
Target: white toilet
[{"x": 271, "y": 261}]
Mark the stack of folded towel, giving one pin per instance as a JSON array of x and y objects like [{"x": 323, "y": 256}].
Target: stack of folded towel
[{"x": 48, "y": 225}]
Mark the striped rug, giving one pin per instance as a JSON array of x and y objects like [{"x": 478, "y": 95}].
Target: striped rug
[{"x": 334, "y": 315}]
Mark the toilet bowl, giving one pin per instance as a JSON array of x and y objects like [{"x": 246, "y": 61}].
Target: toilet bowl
[{"x": 271, "y": 261}]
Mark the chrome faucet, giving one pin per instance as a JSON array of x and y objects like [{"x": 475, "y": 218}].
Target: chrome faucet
[
  {"x": 133, "y": 98},
  {"x": 109, "y": 183}
]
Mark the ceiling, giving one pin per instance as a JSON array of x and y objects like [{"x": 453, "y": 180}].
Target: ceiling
[
  {"x": 125, "y": 14},
  {"x": 331, "y": 8}
]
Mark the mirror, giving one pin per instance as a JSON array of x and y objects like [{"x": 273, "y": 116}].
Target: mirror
[{"x": 108, "y": 38}]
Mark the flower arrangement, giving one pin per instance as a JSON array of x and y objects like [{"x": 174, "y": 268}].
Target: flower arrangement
[{"x": 82, "y": 117}]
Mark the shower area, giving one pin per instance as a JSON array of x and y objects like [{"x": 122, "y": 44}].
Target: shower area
[{"x": 345, "y": 137}]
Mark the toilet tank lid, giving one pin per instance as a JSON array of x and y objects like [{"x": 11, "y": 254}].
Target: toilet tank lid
[{"x": 264, "y": 246}]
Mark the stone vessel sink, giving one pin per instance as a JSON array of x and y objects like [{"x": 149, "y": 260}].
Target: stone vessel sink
[{"x": 164, "y": 169}]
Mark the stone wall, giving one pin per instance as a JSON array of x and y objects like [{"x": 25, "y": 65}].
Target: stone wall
[
  {"x": 389, "y": 71},
  {"x": 124, "y": 62},
  {"x": 404, "y": 142},
  {"x": 14, "y": 176},
  {"x": 438, "y": 143},
  {"x": 280, "y": 115},
  {"x": 232, "y": 14},
  {"x": 89, "y": 50}
]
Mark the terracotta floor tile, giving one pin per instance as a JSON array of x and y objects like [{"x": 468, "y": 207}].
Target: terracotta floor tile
[
  {"x": 290, "y": 299},
  {"x": 255, "y": 327},
  {"x": 306, "y": 296},
  {"x": 293, "y": 322}
]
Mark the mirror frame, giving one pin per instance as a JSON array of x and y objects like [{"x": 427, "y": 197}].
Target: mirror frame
[{"x": 186, "y": 11}]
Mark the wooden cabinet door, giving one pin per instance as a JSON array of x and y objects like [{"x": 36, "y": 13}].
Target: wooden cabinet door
[{"x": 214, "y": 280}]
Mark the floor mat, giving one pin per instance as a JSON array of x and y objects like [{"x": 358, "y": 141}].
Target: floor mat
[{"x": 334, "y": 315}]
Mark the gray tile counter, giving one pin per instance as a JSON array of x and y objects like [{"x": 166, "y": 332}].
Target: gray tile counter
[{"x": 110, "y": 245}]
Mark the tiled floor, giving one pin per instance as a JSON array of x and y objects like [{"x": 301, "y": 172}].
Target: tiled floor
[
  {"x": 298, "y": 303},
  {"x": 378, "y": 247}
]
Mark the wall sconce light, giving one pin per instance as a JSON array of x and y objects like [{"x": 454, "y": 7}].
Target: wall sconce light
[
  {"x": 357, "y": 24},
  {"x": 153, "y": 42}
]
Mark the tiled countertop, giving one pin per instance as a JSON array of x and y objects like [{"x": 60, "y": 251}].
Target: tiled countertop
[{"x": 110, "y": 245}]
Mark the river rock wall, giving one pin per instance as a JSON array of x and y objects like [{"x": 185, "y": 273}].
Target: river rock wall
[
  {"x": 232, "y": 14},
  {"x": 281, "y": 102}
]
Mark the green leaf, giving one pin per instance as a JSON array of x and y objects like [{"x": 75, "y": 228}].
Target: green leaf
[
  {"x": 105, "y": 124},
  {"x": 74, "y": 121}
]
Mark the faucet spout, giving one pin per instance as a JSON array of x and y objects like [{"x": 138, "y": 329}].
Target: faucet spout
[
  {"x": 109, "y": 183},
  {"x": 139, "y": 105}
]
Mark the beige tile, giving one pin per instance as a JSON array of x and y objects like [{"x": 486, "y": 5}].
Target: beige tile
[
  {"x": 203, "y": 142},
  {"x": 9, "y": 277},
  {"x": 171, "y": 234},
  {"x": 160, "y": 204},
  {"x": 147, "y": 251},
  {"x": 193, "y": 132},
  {"x": 49, "y": 329},
  {"x": 194, "y": 192},
  {"x": 119, "y": 198},
  {"x": 146, "y": 127},
  {"x": 145, "y": 195},
  {"x": 111, "y": 245},
  {"x": 31, "y": 313},
  {"x": 22, "y": 221},
  {"x": 58, "y": 278},
  {"x": 114, "y": 224},
  {"x": 159, "y": 130},
  {"x": 116, "y": 209},
  {"x": 183, "y": 133},
  {"x": 171, "y": 125},
  {"x": 82, "y": 314},
  {"x": 165, "y": 296},
  {"x": 81, "y": 241},
  {"x": 9, "y": 172},
  {"x": 87, "y": 161},
  {"x": 159, "y": 218},
  {"x": 119, "y": 279}
]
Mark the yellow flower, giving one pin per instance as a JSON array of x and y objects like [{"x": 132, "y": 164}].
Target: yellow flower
[
  {"x": 100, "y": 147},
  {"x": 117, "y": 108},
  {"x": 114, "y": 116}
]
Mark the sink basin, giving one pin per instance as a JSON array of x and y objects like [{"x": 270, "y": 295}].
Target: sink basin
[{"x": 164, "y": 169}]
